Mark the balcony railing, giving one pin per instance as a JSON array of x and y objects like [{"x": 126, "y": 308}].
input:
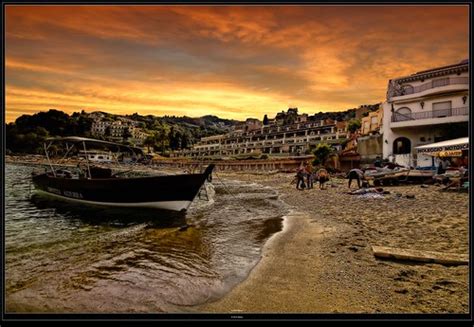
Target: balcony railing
[
  {"x": 435, "y": 83},
  {"x": 463, "y": 111}
]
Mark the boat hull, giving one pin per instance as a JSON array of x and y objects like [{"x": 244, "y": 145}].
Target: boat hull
[
  {"x": 173, "y": 192},
  {"x": 165, "y": 205}
]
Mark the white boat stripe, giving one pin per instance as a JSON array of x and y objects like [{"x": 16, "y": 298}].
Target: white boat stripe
[{"x": 168, "y": 205}]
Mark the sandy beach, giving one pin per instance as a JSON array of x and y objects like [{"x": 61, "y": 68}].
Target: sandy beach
[{"x": 322, "y": 261}]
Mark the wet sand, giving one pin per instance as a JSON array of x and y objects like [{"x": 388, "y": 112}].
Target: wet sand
[{"x": 322, "y": 261}]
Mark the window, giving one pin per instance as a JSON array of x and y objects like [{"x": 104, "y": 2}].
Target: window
[
  {"x": 373, "y": 120},
  {"x": 401, "y": 145},
  {"x": 403, "y": 114},
  {"x": 442, "y": 109}
]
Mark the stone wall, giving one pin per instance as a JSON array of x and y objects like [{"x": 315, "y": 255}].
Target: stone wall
[{"x": 369, "y": 147}]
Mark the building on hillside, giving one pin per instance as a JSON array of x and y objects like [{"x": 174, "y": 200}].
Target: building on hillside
[
  {"x": 425, "y": 107},
  {"x": 372, "y": 123},
  {"x": 364, "y": 109},
  {"x": 370, "y": 139},
  {"x": 252, "y": 124},
  {"x": 116, "y": 130},
  {"x": 280, "y": 140}
]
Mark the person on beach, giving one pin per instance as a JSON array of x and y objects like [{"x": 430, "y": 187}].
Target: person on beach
[
  {"x": 322, "y": 176},
  {"x": 443, "y": 165},
  {"x": 300, "y": 176},
  {"x": 309, "y": 175},
  {"x": 356, "y": 174},
  {"x": 378, "y": 162}
]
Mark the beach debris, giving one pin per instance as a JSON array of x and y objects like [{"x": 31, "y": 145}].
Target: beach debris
[
  {"x": 424, "y": 186},
  {"x": 371, "y": 196},
  {"x": 420, "y": 256},
  {"x": 401, "y": 290},
  {"x": 354, "y": 248},
  {"x": 184, "y": 228},
  {"x": 410, "y": 196}
]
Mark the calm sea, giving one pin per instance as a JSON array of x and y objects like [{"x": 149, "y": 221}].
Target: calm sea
[{"x": 67, "y": 258}]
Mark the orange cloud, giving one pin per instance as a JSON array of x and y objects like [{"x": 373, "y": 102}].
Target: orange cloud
[{"x": 232, "y": 61}]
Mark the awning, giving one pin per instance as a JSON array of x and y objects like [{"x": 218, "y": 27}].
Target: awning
[
  {"x": 445, "y": 148},
  {"x": 450, "y": 153}
]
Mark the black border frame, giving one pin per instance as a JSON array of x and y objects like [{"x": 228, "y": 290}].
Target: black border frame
[{"x": 10, "y": 318}]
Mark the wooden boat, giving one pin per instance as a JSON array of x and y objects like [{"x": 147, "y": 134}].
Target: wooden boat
[
  {"x": 99, "y": 186},
  {"x": 395, "y": 177}
]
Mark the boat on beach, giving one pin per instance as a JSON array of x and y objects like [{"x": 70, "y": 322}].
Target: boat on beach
[
  {"x": 95, "y": 185},
  {"x": 385, "y": 176}
]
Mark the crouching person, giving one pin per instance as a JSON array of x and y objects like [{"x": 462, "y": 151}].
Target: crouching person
[
  {"x": 355, "y": 174},
  {"x": 322, "y": 176}
]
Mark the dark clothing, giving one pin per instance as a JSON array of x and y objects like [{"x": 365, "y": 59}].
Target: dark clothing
[
  {"x": 440, "y": 170},
  {"x": 300, "y": 180},
  {"x": 309, "y": 180},
  {"x": 300, "y": 183},
  {"x": 354, "y": 175}
]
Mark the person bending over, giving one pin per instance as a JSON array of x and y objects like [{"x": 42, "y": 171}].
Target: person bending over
[{"x": 356, "y": 174}]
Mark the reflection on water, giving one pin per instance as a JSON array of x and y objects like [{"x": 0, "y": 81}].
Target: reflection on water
[{"x": 62, "y": 257}]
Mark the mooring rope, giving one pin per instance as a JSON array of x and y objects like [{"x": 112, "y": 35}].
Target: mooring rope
[{"x": 228, "y": 192}]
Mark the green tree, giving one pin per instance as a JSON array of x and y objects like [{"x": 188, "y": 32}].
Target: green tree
[
  {"x": 322, "y": 153},
  {"x": 185, "y": 141},
  {"x": 353, "y": 125},
  {"x": 162, "y": 138},
  {"x": 149, "y": 142}
]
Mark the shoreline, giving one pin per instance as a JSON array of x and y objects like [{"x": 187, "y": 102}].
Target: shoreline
[{"x": 323, "y": 262}]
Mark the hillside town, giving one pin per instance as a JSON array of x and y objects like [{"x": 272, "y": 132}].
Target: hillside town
[{"x": 423, "y": 108}]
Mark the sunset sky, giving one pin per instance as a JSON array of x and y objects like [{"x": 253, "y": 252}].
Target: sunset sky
[{"x": 229, "y": 61}]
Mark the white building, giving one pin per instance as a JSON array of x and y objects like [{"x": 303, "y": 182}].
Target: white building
[
  {"x": 276, "y": 140},
  {"x": 425, "y": 107},
  {"x": 115, "y": 130}
]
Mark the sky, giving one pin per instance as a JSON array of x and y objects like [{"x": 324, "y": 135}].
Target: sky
[{"x": 231, "y": 61}]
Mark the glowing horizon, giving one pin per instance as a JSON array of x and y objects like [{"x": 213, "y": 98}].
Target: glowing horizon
[{"x": 234, "y": 62}]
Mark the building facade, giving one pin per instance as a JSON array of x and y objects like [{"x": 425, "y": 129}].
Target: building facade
[
  {"x": 274, "y": 139},
  {"x": 115, "y": 130},
  {"x": 372, "y": 123},
  {"x": 425, "y": 107}
]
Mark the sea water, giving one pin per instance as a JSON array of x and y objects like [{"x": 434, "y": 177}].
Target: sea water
[{"x": 62, "y": 257}]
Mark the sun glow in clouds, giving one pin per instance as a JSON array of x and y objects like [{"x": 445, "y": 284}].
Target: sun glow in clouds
[{"x": 230, "y": 61}]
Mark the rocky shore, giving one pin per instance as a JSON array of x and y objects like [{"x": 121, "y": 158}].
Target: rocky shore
[{"x": 322, "y": 262}]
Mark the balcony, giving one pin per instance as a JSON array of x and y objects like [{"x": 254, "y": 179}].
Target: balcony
[
  {"x": 436, "y": 83},
  {"x": 434, "y": 86},
  {"x": 453, "y": 115}
]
